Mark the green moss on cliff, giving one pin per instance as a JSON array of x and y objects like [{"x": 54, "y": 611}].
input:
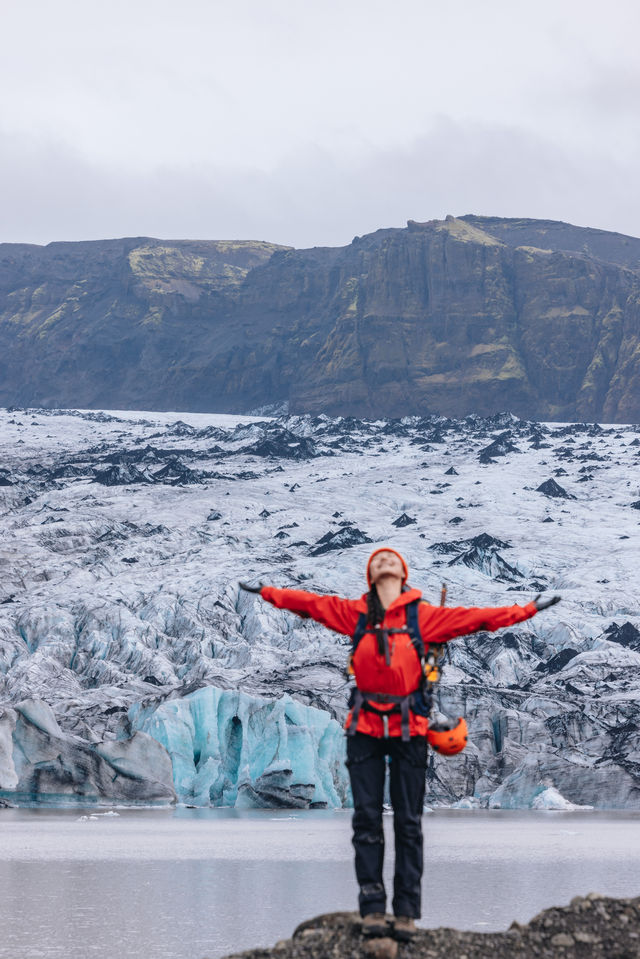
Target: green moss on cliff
[
  {"x": 467, "y": 233},
  {"x": 187, "y": 268}
]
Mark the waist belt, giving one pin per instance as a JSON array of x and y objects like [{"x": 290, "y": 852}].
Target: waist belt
[{"x": 366, "y": 701}]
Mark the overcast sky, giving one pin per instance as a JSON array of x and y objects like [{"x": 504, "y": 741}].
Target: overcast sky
[{"x": 306, "y": 122}]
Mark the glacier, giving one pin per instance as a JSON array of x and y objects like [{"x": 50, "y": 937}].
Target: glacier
[
  {"x": 232, "y": 749},
  {"x": 40, "y": 764},
  {"x": 129, "y": 656}
]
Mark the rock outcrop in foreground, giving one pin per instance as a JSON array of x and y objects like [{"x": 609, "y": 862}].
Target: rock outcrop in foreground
[{"x": 593, "y": 927}]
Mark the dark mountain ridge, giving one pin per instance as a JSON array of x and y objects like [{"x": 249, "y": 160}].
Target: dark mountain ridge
[
  {"x": 470, "y": 314},
  {"x": 556, "y": 235}
]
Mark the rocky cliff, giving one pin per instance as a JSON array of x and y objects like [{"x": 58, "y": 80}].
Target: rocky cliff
[{"x": 475, "y": 314}]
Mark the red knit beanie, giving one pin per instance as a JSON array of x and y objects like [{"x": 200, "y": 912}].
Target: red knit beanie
[{"x": 388, "y": 549}]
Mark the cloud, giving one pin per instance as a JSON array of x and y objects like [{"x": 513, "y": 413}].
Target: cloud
[
  {"x": 307, "y": 124},
  {"x": 315, "y": 196}
]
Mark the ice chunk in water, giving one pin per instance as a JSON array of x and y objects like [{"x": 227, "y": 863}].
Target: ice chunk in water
[{"x": 550, "y": 798}]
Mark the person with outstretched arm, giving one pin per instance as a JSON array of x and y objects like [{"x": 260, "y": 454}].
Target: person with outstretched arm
[{"x": 392, "y": 628}]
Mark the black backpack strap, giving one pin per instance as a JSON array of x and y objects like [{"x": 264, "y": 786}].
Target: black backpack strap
[
  {"x": 413, "y": 627},
  {"x": 404, "y": 711},
  {"x": 358, "y": 702},
  {"x": 360, "y": 630},
  {"x": 429, "y": 657}
]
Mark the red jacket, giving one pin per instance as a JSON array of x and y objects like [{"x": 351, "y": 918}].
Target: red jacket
[{"x": 437, "y": 625}]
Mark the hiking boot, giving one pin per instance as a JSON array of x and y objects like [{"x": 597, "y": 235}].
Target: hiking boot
[
  {"x": 404, "y": 928},
  {"x": 375, "y": 924}
]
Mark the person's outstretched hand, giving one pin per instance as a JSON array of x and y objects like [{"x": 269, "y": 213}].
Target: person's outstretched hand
[
  {"x": 251, "y": 589},
  {"x": 545, "y": 603}
]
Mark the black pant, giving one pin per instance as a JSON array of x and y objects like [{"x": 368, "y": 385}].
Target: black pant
[{"x": 407, "y": 771}]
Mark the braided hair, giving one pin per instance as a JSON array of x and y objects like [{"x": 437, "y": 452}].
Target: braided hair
[
  {"x": 375, "y": 616},
  {"x": 375, "y": 609}
]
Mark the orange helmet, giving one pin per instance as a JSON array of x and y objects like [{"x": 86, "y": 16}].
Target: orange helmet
[{"x": 448, "y": 739}]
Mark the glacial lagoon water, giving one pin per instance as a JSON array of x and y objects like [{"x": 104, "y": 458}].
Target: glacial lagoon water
[{"x": 189, "y": 884}]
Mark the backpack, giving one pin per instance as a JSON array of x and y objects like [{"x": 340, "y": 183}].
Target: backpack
[{"x": 420, "y": 701}]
